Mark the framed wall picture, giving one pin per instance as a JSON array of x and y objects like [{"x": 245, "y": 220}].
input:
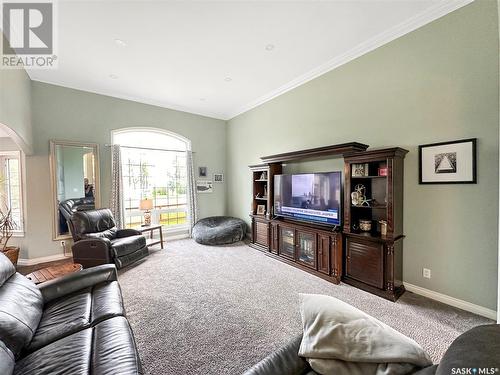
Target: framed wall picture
[
  {"x": 204, "y": 187},
  {"x": 218, "y": 177},
  {"x": 202, "y": 172},
  {"x": 261, "y": 209},
  {"x": 448, "y": 162}
]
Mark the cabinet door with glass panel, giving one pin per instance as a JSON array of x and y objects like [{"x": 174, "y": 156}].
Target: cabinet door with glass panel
[
  {"x": 306, "y": 248},
  {"x": 287, "y": 242}
]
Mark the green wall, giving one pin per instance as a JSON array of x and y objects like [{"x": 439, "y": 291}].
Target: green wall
[
  {"x": 437, "y": 83},
  {"x": 15, "y": 104},
  {"x": 66, "y": 114}
]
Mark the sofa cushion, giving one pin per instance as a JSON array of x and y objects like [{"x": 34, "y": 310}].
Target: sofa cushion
[
  {"x": 62, "y": 317},
  {"x": 107, "y": 302},
  {"x": 21, "y": 306},
  {"x": 6, "y": 360},
  {"x": 77, "y": 311},
  {"x": 127, "y": 245},
  {"x": 7, "y": 269},
  {"x": 108, "y": 348},
  {"x": 69, "y": 355},
  {"x": 114, "y": 351}
]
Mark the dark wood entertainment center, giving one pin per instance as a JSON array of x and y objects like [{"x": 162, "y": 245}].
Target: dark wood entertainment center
[{"x": 370, "y": 260}]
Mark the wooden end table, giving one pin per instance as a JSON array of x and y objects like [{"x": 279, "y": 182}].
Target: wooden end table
[
  {"x": 151, "y": 228},
  {"x": 53, "y": 272}
]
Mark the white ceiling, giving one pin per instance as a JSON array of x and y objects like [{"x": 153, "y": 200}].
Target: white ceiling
[{"x": 210, "y": 57}]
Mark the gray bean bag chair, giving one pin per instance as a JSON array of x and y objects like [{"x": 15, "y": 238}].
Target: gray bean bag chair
[{"x": 219, "y": 230}]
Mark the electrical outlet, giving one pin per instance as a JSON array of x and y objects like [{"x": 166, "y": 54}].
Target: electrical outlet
[
  {"x": 63, "y": 244},
  {"x": 426, "y": 273}
]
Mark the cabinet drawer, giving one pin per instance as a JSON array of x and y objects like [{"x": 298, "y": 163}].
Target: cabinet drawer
[
  {"x": 365, "y": 262},
  {"x": 262, "y": 233}
]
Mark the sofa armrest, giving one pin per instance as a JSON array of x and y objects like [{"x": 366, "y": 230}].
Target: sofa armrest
[
  {"x": 76, "y": 281},
  {"x": 284, "y": 361},
  {"x": 120, "y": 233}
]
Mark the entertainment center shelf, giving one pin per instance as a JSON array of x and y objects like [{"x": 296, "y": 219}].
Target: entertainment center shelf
[{"x": 367, "y": 250}]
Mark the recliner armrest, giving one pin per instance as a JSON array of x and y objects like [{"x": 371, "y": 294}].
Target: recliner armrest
[
  {"x": 76, "y": 281},
  {"x": 120, "y": 233},
  {"x": 284, "y": 361}
]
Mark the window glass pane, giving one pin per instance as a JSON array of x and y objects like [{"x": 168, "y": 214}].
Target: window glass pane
[
  {"x": 154, "y": 174},
  {"x": 10, "y": 191}
]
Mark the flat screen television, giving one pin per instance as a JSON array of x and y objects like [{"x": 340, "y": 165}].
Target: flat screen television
[{"x": 313, "y": 197}]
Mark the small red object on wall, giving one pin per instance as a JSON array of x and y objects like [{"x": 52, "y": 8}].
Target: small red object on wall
[{"x": 382, "y": 171}]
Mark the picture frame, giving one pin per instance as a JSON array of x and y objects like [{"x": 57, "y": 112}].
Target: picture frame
[
  {"x": 204, "y": 187},
  {"x": 452, "y": 162},
  {"x": 218, "y": 177},
  {"x": 202, "y": 172},
  {"x": 261, "y": 209}
]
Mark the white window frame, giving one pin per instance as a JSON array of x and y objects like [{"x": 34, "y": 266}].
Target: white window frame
[
  {"x": 179, "y": 228},
  {"x": 19, "y": 155}
]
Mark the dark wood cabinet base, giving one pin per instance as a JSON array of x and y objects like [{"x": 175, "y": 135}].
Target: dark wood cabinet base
[
  {"x": 387, "y": 294},
  {"x": 311, "y": 249}
]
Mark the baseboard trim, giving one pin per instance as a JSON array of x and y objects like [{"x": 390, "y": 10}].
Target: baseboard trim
[
  {"x": 452, "y": 301},
  {"x": 33, "y": 261}
]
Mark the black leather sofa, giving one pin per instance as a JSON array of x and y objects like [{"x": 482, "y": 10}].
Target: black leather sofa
[
  {"x": 68, "y": 207},
  {"x": 478, "y": 348},
  {"x": 97, "y": 240},
  {"x": 72, "y": 325}
]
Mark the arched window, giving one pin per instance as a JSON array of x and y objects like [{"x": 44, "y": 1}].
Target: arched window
[{"x": 154, "y": 168}]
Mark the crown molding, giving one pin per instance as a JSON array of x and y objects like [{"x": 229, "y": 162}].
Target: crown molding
[{"x": 437, "y": 11}]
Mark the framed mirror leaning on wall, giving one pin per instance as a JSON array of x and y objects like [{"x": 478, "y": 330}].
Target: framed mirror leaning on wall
[{"x": 74, "y": 173}]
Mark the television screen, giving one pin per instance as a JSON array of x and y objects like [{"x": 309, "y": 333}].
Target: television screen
[{"x": 312, "y": 197}]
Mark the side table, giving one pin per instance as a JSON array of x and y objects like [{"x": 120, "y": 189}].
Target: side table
[
  {"x": 151, "y": 228},
  {"x": 53, "y": 272}
]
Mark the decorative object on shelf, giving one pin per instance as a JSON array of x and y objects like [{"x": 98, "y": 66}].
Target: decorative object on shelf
[
  {"x": 218, "y": 177},
  {"x": 365, "y": 225},
  {"x": 202, "y": 172},
  {"x": 448, "y": 162},
  {"x": 261, "y": 209},
  {"x": 204, "y": 186},
  {"x": 146, "y": 205},
  {"x": 263, "y": 176},
  {"x": 383, "y": 227},
  {"x": 359, "y": 170},
  {"x": 265, "y": 190},
  {"x": 382, "y": 171},
  {"x": 358, "y": 196}
]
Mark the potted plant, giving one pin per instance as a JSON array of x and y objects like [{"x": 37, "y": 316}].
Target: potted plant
[{"x": 7, "y": 227}]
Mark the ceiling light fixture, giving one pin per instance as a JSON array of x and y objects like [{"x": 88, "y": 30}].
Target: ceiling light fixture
[
  {"x": 269, "y": 47},
  {"x": 113, "y": 76},
  {"x": 228, "y": 79},
  {"x": 120, "y": 42}
]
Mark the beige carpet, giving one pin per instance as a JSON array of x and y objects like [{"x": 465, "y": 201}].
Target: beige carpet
[{"x": 206, "y": 310}]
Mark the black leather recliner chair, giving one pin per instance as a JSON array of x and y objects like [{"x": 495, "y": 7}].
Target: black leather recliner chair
[
  {"x": 68, "y": 207},
  {"x": 75, "y": 324},
  {"x": 99, "y": 241}
]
